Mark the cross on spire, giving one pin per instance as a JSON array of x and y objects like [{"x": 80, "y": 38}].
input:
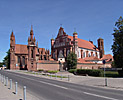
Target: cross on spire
[
  {"x": 74, "y": 29},
  {"x": 60, "y": 25},
  {"x": 31, "y": 27}
]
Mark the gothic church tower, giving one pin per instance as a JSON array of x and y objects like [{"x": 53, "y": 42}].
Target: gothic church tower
[
  {"x": 101, "y": 47},
  {"x": 75, "y": 43},
  {"x": 12, "y": 51},
  {"x": 32, "y": 51}
]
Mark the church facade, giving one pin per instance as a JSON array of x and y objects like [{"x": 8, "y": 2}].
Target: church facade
[
  {"x": 63, "y": 44},
  {"x": 26, "y": 56}
]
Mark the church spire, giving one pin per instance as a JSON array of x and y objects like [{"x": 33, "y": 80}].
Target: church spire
[
  {"x": 12, "y": 39},
  {"x": 31, "y": 32},
  {"x": 34, "y": 39},
  {"x": 12, "y": 34}
]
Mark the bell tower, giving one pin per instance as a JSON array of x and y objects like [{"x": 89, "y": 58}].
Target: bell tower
[
  {"x": 101, "y": 47},
  {"x": 32, "y": 51},
  {"x": 75, "y": 43},
  {"x": 12, "y": 51},
  {"x": 52, "y": 47}
]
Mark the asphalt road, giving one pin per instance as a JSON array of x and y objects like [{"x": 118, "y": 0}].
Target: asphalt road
[{"x": 47, "y": 89}]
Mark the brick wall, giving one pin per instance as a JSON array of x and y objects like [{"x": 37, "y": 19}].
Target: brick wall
[
  {"x": 92, "y": 66},
  {"x": 48, "y": 66}
]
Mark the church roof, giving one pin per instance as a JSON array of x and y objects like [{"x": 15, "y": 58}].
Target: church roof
[
  {"x": 92, "y": 58},
  {"x": 21, "y": 49},
  {"x": 81, "y": 60},
  {"x": 84, "y": 44},
  {"x": 107, "y": 57}
]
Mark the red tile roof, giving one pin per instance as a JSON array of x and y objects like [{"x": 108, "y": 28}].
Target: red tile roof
[
  {"x": 21, "y": 49},
  {"x": 92, "y": 58},
  {"x": 80, "y": 60},
  {"x": 108, "y": 57},
  {"x": 84, "y": 44}
]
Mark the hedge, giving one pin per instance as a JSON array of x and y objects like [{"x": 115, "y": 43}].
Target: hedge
[
  {"x": 72, "y": 70},
  {"x": 50, "y": 71},
  {"x": 40, "y": 70},
  {"x": 90, "y": 72}
]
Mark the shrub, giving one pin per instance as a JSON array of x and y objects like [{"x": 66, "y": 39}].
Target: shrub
[
  {"x": 51, "y": 71},
  {"x": 89, "y": 72},
  {"x": 40, "y": 70},
  {"x": 73, "y": 71}
]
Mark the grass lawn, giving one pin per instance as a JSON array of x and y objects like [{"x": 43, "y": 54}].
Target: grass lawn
[{"x": 45, "y": 74}]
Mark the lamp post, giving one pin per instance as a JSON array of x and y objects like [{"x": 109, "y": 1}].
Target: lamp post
[{"x": 104, "y": 73}]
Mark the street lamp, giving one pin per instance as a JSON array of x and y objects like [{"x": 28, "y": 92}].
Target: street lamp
[{"x": 104, "y": 73}]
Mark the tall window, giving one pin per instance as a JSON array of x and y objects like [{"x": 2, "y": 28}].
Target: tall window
[
  {"x": 89, "y": 55},
  {"x": 41, "y": 57},
  {"x": 23, "y": 60},
  {"x": 45, "y": 57},
  {"x": 18, "y": 59},
  {"x": 31, "y": 53},
  {"x": 83, "y": 54}
]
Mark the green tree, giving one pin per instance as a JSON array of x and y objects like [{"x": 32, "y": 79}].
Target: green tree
[
  {"x": 6, "y": 60},
  {"x": 113, "y": 64},
  {"x": 71, "y": 61},
  {"x": 1, "y": 64},
  {"x": 117, "y": 47}
]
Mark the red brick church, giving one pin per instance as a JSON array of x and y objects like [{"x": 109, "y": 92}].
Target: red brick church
[
  {"x": 26, "y": 56},
  {"x": 64, "y": 44},
  {"x": 86, "y": 51},
  {"x": 31, "y": 57}
]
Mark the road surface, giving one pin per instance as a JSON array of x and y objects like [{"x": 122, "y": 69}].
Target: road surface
[{"x": 48, "y": 89}]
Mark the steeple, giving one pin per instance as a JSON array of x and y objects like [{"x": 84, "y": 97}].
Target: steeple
[
  {"x": 12, "y": 34},
  {"x": 12, "y": 39},
  {"x": 31, "y": 32},
  {"x": 12, "y": 51},
  {"x": 28, "y": 39},
  {"x": 75, "y": 43},
  {"x": 37, "y": 44},
  {"x": 34, "y": 39}
]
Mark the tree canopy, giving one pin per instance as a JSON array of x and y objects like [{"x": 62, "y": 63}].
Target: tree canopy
[
  {"x": 6, "y": 60},
  {"x": 117, "y": 47},
  {"x": 1, "y": 64},
  {"x": 71, "y": 61}
]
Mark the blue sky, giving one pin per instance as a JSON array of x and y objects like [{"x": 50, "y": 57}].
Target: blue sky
[{"x": 91, "y": 18}]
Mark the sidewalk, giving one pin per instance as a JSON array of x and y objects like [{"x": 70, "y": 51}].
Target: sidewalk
[
  {"x": 112, "y": 83},
  {"x": 9, "y": 94}
]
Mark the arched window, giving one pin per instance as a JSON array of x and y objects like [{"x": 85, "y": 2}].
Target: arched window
[
  {"x": 83, "y": 54},
  {"x": 45, "y": 57},
  {"x": 18, "y": 59},
  {"x": 31, "y": 53},
  {"x": 89, "y": 55},
  {"x": 23, "y": 59},
  {"x": 41, "y": 57}
]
